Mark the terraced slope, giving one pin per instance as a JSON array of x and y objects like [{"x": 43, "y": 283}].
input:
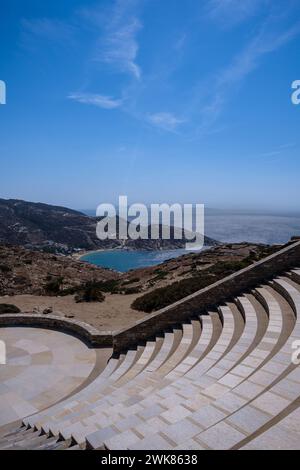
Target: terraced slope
[{"x": 224, "y": 380}]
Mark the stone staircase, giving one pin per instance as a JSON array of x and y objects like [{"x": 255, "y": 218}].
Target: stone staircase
[{"x": 223, "y": 380}]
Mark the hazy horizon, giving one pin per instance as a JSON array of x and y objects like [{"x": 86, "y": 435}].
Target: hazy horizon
[{"x": 208, "y": 210}]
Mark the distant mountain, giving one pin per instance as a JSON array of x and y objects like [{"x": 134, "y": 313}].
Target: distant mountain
[{"x": 59, "y": 229}]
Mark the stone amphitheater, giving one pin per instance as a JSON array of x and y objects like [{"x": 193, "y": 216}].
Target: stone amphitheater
[{"x": 202, "y": 374}]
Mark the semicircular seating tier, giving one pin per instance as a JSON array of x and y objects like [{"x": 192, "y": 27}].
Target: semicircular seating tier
[{"x": 222, "y": 380}]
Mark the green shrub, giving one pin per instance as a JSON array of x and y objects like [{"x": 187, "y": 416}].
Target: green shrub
[
  {"x": 68, "y": 291},
  {"x": 108, "y": 286},
  {"x": 4, "y": 268},
  {"x": 159, "y": 271},
  {"x": 131, "y": 290},
  {"x": 131, "y": 281},
  {"x": 49, "y": 249},
  {"x": 90, "y": 292},
  {"x": 9, "y": 308},
  {"x": 160, "y": 275},
  {"x": 53, "y": 285},
  {"x": 164, "y": 296}
]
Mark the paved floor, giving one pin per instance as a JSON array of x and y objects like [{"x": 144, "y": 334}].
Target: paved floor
[{"x": 59, "y": 363}]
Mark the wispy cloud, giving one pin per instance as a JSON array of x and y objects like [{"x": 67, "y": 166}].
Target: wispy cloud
[
  {"x": 229, "y": 13},
  {"x": 267, "y": 40},
  {"x": 121, "y": 48},
  {"x": 282, "y": 149},
  {"x": 106, "y": 102},
  {"x": 115, "y": 46},
  {"x": 273, "y": 153},
  {"x": 166, "y": 121},
  {"x": 180, "y": 42},
  {"x": 289, "y": 145},
  {"x": 118, "y": 45},
  {"x": 110, "y": 33},
  {"x": 50, "y": 29}
]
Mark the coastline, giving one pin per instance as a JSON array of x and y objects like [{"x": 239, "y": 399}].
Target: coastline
[
  {"x": 78, "y": 256},
  {"x": 124, "y": 260}
]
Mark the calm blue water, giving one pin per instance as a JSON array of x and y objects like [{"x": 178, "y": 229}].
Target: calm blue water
[
  {"x": 123, "y": 260},
  {"x": 231, "y": 228}
]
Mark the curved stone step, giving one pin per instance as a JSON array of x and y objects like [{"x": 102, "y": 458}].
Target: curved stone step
[
  {"x": 150, "y": 380},
  {"x": 38, "y": 418},
  {"x": 284, "y": 435},
  {"x": 150, "y": 351},
  {"x": 207, "y": 415},
  {"x": 165, "y": 398},
  {"x": 57, "y": 413},
  {"x": 273, "y": 388},
  {"x": 78, "y": 431},
  {"x": 189, "y": 339},
  {"x": 180, "y": 352},
  {"x": 67, "y": 423},
  {"x": 34, "y": 441},
  {"x": 265, "y": 349},
  {"x": 55, "y": 428},
  {"x": 280, "y": 328},
  {"x": 110, "y": 442},
  {"x": 294, "y": 275},
  {"x": 219, "y": 389},
  {"x": 199, "y": 349},
  {"x": 225, "y": 342},
  {"x": 89, "y": 392},
  {"x": 170, "y": 342},
  {"x": 244, "y": 344},
  {"x": 169, "y": 345},
  {"x": 111, "y": 405},
  {"x": 211, "y": 329},
  {"x": 17, "y": 436},
  {"x": 260, "y": 414},
  {"x": 242, "y": 340},
  {"x": 197, "y": 330},
  {"x": 151, "y": 401}
]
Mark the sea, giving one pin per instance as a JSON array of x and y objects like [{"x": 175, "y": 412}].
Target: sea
[{"x": 224, "y": 227}]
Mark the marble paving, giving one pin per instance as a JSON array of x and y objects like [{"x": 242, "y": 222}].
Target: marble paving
[{"x": 42, "y": 367}]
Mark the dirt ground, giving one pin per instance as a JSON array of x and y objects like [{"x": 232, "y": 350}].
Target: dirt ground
[{"x": 111, "y": 315}]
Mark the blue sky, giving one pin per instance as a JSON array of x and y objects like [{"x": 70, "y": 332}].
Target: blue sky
[{"x": 164, "y": 101}]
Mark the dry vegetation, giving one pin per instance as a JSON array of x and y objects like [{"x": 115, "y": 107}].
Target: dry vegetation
[{"x": 35, "y": 281}]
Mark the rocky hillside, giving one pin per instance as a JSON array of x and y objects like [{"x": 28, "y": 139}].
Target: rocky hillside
[
  {"x": 24, "y": 271},
  {"x": 36, "y": 225},
  {"x": 61, "y": 230},
  {"x": 31, "y": 272},
  {"x": 183, "y": 276}
]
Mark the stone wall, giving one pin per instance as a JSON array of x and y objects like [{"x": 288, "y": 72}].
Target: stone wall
[{"x": 84, "y": 331}]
